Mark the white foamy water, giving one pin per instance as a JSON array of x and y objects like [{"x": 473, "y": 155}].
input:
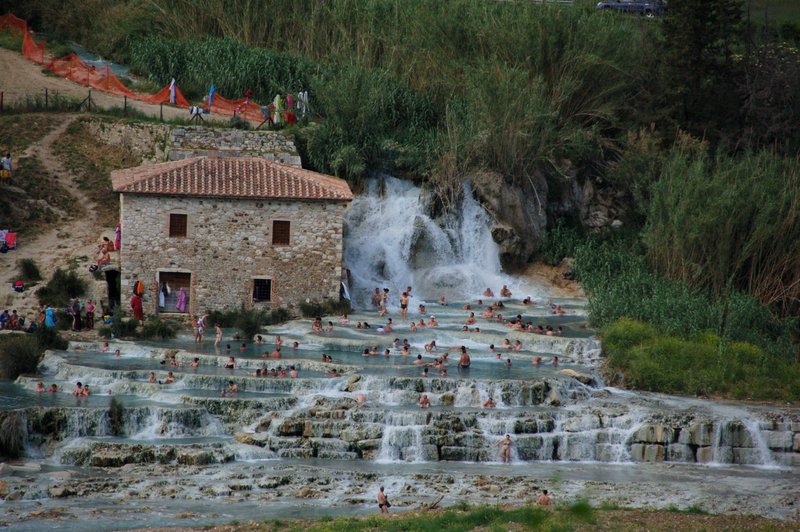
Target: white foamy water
[{"x": 392, "y": 242}]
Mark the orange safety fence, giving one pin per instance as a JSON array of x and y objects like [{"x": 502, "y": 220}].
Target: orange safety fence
[
  {"x": 73, "y": 68},
  {"x": 242, "y": 107}
]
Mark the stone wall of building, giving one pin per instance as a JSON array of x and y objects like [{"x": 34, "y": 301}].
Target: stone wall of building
[
  {"x": 229, "y": 243},
  {"x": 161, "y": 142}
]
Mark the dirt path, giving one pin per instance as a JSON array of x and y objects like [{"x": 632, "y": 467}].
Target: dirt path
[
  {"x": 25, "y": 79},
  {"x": 73, "y": 239}
]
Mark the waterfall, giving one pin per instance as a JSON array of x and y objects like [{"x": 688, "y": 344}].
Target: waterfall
[
  {"x": 402, "y": 438},
  {"x": 392, "y": 242}
]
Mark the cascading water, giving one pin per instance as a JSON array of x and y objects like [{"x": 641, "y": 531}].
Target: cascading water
[{"x": 392, "y": 242}]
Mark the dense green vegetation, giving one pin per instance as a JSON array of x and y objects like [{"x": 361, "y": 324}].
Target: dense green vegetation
[
  {"x": 689, "y": 120},
  {"x": 20, "y": 353}
]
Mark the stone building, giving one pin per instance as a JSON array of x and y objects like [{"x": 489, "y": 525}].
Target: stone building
[{"x": 222, "y": 233}]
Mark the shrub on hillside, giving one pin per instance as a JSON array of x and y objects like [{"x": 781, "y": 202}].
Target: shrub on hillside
[
  {"x": 50, "y": 339},
  {"x": 61, "y": 287},
  {"x": 29, "y": 270}
]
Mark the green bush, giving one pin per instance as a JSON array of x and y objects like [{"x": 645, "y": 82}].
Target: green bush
[
  {"x": 249, "y": 322},
  {"x": 19, "y": 354},
  {"x": 155, "y": 327},
  {"x": 12, "y": 434},
  {"x": 701, "y": 365},
  {"x": 49, "y": 338},
  {"x": 121, "y": 327},
  {"x": 61, "y": 287},
  {"x": 559, "y": 242},
  {"x": 29, "y": 270},
  {"x": 328, "y": 307}
]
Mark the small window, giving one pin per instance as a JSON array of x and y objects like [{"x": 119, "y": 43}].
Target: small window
[
  {"x": 262, "y": 290},
  {"x": 280, "y": 233},
  {"x": 177, "y": 225}
]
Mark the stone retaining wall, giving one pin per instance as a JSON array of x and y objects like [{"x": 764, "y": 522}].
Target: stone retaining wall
[{"x": 162, "y": 142}]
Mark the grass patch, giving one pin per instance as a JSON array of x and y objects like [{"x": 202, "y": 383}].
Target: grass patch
[
  {"x": 92, "y": 161},
  {"x": 18, "y": 131},
  {"x": 35, "y": 201}
]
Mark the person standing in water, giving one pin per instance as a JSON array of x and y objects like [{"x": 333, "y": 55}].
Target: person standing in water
[
  {"x": 505, "y": 448},
  {"x": 218, "y": 331},
  {"x": 383, "y": 502},
  {"x": 404, "y": 305}
]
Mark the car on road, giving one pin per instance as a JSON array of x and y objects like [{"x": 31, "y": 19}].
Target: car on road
[{"x": 649, "y": 9}]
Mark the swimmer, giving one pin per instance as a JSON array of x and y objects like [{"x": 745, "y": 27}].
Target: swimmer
[
  {"x": 508, "y": 362},
  {"x": 231, "y": 364},
  {"x": 442, "y": 301},
  {"x": 78, "y": 391},
  {"x": 555, "y": 361},
  {"x": 421, "y": 309},
  {"x": 506, "y": 344},
  {"x": 117, "y": 353},
  {"x": 527, "y": 301},
  {"x": 488, "y": 313},
  {"x": 413, "y": 327},
  {"x": 276, "y": 353},
  {"x": 471, "y": 319},
  {"x": 170, "y": 378},
  {"x": 517, "y": 346},
  {"x": 424, "y": 402},
  {"x": 432, "y": 322},
  {"x": 361, "y": 398},
  {"x": 329, "y": 328},
  {"x": 489, "y": 403},
  {"x": 405, "y": 351},
  {"x": 488, "y": 292},
  {"x": 104, "y": 348},
  {"x": 419, "y": 360},
  {"x": 278, "y": 341},
  {"x": 544, "y": 499},
  {"x": 344, "y": 320},
  {"x": 195, "y": 363},
  {"x": 334, "y": 373},
  {"x": 233, "y": 387},
  {"x": 376, "y": 297},
  {"x": 53, "y": 388},
  {"x": 464, "y": 361},
  {"x": 558, "y": 310},
  {"x": 365, "y": 353},
  {"x": 295, "y": 345},
  {"x": 243, "y": 347},
  {"x": 259, "y": 339},
  {"x": 421, "y": 323},
  {"x": 505, "y": 292},
  {"x": 444, "y": 372},
  {"x": 537, "y": 361},
  {"x": 383, "y": 502},
  {"x": 152, "y": 379},
  {"x": 386, "y": 352},
  {"x": 425, "y": 371},
  {"x": 359, "y": 326},
  {"x": 293, "y": 372},
  {"x": 39, "y": 387},
  {"x": 467, "y": 306},
  {"x": 85, "y": 392},
  {"x": 431, "y": 346},
  {"x": 559, "y": 331}
]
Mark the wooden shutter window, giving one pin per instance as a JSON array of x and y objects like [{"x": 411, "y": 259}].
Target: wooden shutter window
[
  {"x": 280, "y": 233},
  {"x": 177, "y": 225}
]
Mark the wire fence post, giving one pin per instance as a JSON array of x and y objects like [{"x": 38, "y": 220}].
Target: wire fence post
[{"x": 161, "y": 111}]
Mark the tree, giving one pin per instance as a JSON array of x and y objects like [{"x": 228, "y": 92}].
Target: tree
[{"x": 699, "y": 71}]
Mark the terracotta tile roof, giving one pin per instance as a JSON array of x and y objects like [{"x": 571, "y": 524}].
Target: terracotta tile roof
[{"x": 230, "y": 177}]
